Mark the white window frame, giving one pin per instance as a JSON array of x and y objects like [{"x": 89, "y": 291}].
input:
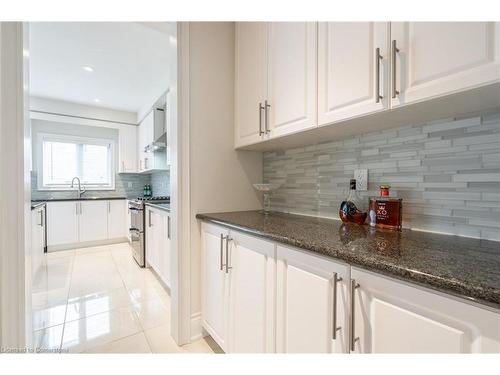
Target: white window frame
[{"x": 74, "y": 139}]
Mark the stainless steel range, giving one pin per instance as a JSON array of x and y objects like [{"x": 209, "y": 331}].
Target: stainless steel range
[{"x": 137, "y": 220}]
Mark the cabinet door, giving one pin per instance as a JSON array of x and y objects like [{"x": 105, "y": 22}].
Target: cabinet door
[
  {"x": 165, "y": 251},
  {"x": 116, "y": 219},
  {"x": 250, "y": 81},
  {"x": 438, "y": 58},
  {"x": 128, "y": 146},
  {"x": 251, "y": 264},
  {"x": 93, "y": 221},
  {"x": 312, "y": 312},
  {"x": 391, "y": 316},
  {"x": 37, "y": 239},
  {"x": 62, "y": 223},
  {"x": 348, "y": 64},
  {"x": 215, "y": 284},
  {"x": 292, "y": 80},
  {"x": 151, "y": 241}
]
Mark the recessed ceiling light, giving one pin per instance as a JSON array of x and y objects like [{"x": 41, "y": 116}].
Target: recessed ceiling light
[
  {"x": 88, "y": 68},
  {"x": 96, "y": 100}
]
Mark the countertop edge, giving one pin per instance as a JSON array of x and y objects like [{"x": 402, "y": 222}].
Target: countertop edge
[
  {"x": 433, "y": 282},
  {"x": 78, "y": 199},
  {"x": 37, "y": 204},
  {"x": 158, "y": 206}
]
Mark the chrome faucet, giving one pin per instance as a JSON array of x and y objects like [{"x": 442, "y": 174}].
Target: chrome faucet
[{"x": 80, "y": 191}]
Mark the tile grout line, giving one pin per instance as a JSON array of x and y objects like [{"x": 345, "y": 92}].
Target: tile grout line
[{"x": 67, "y": 298}]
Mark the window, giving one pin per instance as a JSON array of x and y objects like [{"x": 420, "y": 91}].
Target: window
[{"x": 66, "y": 157}]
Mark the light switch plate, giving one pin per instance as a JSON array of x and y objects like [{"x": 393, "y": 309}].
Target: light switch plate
[{"x": 361, "y": 177}]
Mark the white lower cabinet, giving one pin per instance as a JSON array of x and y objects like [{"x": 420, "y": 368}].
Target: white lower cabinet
[
  {"x": 262, "y": 297},
  {"x": 93, "y": 221},
  {"x": 117, "y": 212},
  {"x": 393, "y": 317},
  {"x": 238, "y": 275},
  {"x": 38, "y": 222},
  {"x": 62, "y": 223},
  {"x": 312, "y": 301},
  {"x": 252, "y": 268},
  {"x": 158, "y": 242},
  {"x": 76, "y": 222},
  {"x": 215, "y": 281}
]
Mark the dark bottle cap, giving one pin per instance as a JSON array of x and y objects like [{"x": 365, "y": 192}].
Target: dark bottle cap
[{"x": 352, "y": 184}]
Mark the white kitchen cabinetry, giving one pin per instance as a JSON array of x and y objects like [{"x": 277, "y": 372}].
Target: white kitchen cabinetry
[
  {"x": 322, "y": 305},
  {"x": 38, "y": 222},
  {"x": 251, "y": 264},
  {"x": 353, "y": 75},
  {"x": 275, "y": 90},
  {"x": 62, "y": 223},
  {"x": 250, "y": 81},
  {"x": 152, "y": 160},
  {"x": 81, "y": 222},
  {"x": 127, "y": 148},
  {"x": 292, "y": 64},
  {"x": 117, "y": 211},
  {"x": 312, "y": 303},
  {"x": 215, "y": 282},
  {"x": 158, "y": 246},
  {"x": 437, "y": 58},
  {"x": 394, "y": 317},
  {"x": 93, "y": 220}
]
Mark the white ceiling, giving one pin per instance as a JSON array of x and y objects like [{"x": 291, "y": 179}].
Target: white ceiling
[{"x": 130, "y": 65}]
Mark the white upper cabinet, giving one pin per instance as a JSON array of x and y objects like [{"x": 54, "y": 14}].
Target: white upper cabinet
[
  {"x": 275, "y": 81},
  {"x": 394, "y": 317},
  {"x": 93, "y": 220},
  {"x": 292, "y": 64},
  {"x": 353, "y": 73},
  {"x": 437, "y": 58},
  {"x": 127, "y": 149},
  {"x": 312, "y": 303},
  {"x": 251, "y": 265},
  {"x": 250, "y": 81}
]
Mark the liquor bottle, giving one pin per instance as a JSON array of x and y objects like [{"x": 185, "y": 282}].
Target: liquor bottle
[
  {"x": 353, "y": 209},
  {"x": 386, "y": 212}
]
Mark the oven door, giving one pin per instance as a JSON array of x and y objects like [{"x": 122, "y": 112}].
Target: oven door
[{"x": 136, "y": 218}]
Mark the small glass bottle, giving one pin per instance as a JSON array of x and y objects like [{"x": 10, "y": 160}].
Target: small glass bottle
[
  {"x": 386, "y": 212},
  {"x": 353, "y": 209}
]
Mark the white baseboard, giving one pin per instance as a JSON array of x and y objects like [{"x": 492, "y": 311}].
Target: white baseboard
[
  {"x": 196, "y": 328},
  {"x": 79, "y": 245}
]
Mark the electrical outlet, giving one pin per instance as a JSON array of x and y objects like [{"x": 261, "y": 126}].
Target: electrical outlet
[{"x": 361, "y": 177}]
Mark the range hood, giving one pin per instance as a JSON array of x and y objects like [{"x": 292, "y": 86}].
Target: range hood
[{"x": 159, "y": 131}]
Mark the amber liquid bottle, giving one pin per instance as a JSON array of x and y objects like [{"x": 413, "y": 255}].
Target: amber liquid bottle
[
  {"x": 353, "y": 209},
  {"x": 386, "y": 212}
]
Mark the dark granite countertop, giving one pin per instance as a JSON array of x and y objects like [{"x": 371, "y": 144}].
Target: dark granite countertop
[
  {"x": 78, "y": 199},
  {"x": 465, "y": 267},
  {"x": 161, "y": 206},
  {"x": 36, "y": 204}
]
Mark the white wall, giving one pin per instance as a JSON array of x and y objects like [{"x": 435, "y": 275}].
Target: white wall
[{"x": 220, "y": 178}]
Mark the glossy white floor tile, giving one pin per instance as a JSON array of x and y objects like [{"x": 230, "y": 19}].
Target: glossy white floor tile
[{"x": 98, "y": 300}]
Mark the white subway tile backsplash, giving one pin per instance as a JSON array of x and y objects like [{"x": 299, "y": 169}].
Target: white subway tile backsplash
[{"x": 447, "y": 172}]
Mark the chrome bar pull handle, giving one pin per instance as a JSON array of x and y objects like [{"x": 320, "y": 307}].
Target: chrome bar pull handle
[
  {"x": 41, "y": 218},
  {"x": 227, "y": 254},
  {"x": 266, "y": 117},
  {"x": 76, "y": 208},
  {"x": 352, "y": 328},
  {"x": 261, "y": 107},
  {"x": 222, "y": 237},
  {"x": 378, "y": 57},
  {"x": 394, "y": 50},
  {"x": 149, "y": 219},
  {"x": 334, "y": 322},
  {"x": 168, "y": 227}
]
